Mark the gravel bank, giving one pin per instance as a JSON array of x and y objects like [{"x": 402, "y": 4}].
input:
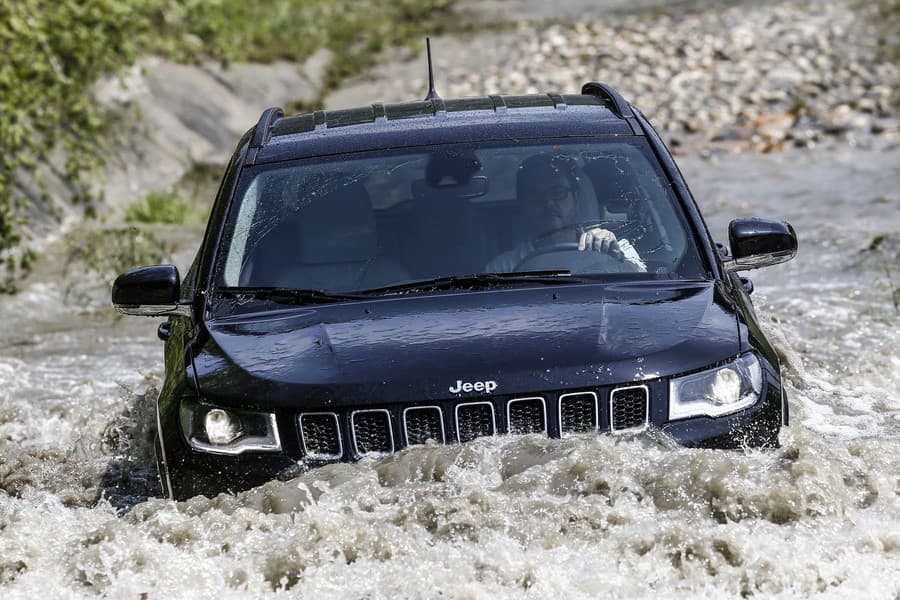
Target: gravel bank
[{"x": 759, "y": 77}]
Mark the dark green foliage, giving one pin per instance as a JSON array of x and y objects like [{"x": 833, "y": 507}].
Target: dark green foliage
[{"x": 54, "y": 50}]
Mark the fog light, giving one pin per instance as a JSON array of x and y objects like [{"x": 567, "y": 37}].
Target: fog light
[
  {"x": 221, "y": 428},
  {"x": 228, "y": 430}
]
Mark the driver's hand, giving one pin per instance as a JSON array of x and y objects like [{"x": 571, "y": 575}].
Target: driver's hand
[{"x": 600, "y": 240}]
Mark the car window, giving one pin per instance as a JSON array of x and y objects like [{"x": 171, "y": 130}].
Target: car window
[{"x": 375, "y": 219}]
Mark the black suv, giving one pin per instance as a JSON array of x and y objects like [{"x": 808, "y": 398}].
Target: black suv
[{"x": 396, "y": 274}]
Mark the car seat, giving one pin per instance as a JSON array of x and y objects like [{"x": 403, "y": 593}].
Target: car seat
[
  {"x": 330, "y": 244},
  {"x": 447, "y": 237}
]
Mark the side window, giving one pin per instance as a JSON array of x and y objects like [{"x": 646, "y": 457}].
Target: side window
[{"x": 239, "y": 241}]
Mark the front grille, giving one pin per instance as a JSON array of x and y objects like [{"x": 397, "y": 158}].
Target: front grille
[
  {"x": 372, "y": 431},
  {"x": 577, "y": 412},
  {"x": 321, "y": 436},
  {"x": 628, "y": 407},
  {"x": 423, "y": 423},
  {"x": 526, "y": 415},
  {"x": 474, "y": 420}
]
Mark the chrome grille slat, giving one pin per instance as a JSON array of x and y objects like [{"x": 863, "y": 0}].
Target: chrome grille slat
[
  {"x": 320, "y": 434},
  {"x": 526, "y": 415},
  {"x": 372, "y": 432},
  {"x": 629, "y": 407},
  {"x": 578, "y": 413},
  {"x": 475, "y": 419},
  {"x": 423, "y": 423}
]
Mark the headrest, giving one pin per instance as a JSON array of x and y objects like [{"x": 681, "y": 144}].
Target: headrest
[
  {"x": 474, "y": 188},
  {"x": 536, "y": 169},
  {"x": 338, "y": 226},
  {"x": 615, "y": 182},
  {"x": 452, "y": 167}
]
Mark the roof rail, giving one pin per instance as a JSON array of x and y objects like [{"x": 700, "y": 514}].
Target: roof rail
[
  {"x": 264, "y": 126},
  {"x": 620, "y": 106}
]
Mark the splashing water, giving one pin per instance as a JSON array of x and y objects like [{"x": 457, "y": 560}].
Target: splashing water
[{"x": 585, "y": 516}]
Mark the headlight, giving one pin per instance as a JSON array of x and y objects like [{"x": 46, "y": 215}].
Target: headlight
[
  {"x": 718, "y": 391},
  {"x": 227, "y": 430}
]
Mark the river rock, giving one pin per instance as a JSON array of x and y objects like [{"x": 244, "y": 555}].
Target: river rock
[{"x": 735, "y": 64}]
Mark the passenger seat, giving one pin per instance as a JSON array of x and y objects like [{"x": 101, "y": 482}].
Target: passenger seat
[{"x": 330, "y": 244}]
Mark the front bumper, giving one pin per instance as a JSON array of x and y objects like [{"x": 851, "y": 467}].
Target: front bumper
[{"x": 192, "y": 472}]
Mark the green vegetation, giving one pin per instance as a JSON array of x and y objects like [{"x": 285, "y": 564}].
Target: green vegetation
[
  {"x": 181, "y": 204},
  {"x": 886, "y": 16},
  {"x": 56, "y": 49},
  {"x": 889, "y": 19},
  {"x": 169, "y": 208}
]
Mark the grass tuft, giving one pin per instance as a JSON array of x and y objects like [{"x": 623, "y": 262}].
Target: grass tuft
[{"x": 167, "y": 208}]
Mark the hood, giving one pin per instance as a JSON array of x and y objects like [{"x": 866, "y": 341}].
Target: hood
[{"x": 416, "y": 348}]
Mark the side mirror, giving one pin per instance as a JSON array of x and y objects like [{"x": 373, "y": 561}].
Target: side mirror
[
  {"x": 757, "y": 243},
  {"x": 149, "y": 292}
]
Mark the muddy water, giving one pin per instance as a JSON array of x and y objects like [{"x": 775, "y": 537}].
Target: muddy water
[{"x": 505, "y": 517}]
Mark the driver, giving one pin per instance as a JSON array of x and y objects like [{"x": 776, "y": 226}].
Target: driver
[{"x": 548, "y": 189}]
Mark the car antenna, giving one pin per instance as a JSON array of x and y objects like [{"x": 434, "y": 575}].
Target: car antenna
[{"x": 432, "y": 93}]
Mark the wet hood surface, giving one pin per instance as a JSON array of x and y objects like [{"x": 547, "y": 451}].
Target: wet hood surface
[{"x": 415, "y": 348}]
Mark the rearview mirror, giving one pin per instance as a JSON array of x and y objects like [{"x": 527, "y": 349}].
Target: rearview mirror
[
  {"x": 757, "y": 243},
  {"x": 149, "y": 292},
  {"x": 475, "y": 187}
]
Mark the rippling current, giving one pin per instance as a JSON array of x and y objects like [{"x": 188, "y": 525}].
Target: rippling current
[{"x": 503, "y": 517}]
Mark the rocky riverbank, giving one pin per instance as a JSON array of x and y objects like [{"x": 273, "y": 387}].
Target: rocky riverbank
[
  {"x": 761, "y": 77},
  {"x": 756, "y": 76}
]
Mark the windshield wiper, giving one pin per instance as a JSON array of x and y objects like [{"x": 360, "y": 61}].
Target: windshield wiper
[
  {"x": 478, "y": 281},
  {"x": 289, "y": 295}
]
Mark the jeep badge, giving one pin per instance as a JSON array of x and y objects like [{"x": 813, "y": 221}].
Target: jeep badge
[{"x": 478, "y": 386}]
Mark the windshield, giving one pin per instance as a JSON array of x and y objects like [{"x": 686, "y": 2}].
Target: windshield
[{"x": 598, "y": 209}]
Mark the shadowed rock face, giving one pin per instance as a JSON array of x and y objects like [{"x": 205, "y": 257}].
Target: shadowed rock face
[
  {"x": 196, "y": 114},
  {"x": 170, "y": 117}
]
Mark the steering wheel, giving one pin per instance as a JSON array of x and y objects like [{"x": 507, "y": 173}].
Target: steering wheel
[
  {"x": 578, "y": 229},
  {"x": 549, "y": 249},
  {"x": 586, "y": 260}
]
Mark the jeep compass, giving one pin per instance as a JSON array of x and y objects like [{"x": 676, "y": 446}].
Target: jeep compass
[{"x": 435, "y": 271}]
